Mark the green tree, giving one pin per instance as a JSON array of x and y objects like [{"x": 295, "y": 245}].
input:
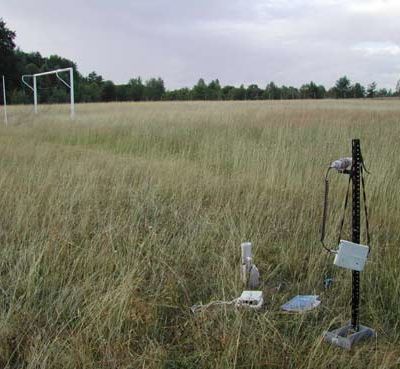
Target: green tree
[
  {"x": 285, "y": 92},
  {"x": 136, "y": 89},
  {"x": 253, "y": 92},
  {"x": 90, "y": 92},
  {"x": 183, "y": 94},
  {"x": 58, "y": 95},
  {"x": 239, "y": 93},
  {"x": 154, "y": 89},
  {"x": 383, "y": 92},
  {"x": 342, "y": 87},
  {"x": 213, "y": 91},
  {"x": 122, "y": 92},
  {"x": 90, "y": 88},
  {"x": 7, "y": 56},
  {"x": 290, "y": 93},
  {"x": 357, "y": 91},
  {"x": 108, "y": 92},
  {"x": 57, "y": 62},
  {"x": 226, "y": 92},
  {"x": 199, "y": 91},
  {"x": 331, "y": 93},
  {"x": 31, "y": 68},
  {"x": 272, "y": 92},
  {"x": 233, "y": 93},
  {"x": 180, "y": 94},
  {"x": 23, "y": 59},
  {"x": 371, "y": 90},
  {"x": 93, "y": 77},
  {"x": 398, "y": 88},
  {"x": 312, "y": 91}
]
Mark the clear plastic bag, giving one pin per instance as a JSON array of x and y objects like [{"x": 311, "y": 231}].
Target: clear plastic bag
[{"x": 301, "y": 303}]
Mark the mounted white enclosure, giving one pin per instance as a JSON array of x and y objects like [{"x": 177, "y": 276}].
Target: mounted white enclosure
[
  {"x": 351, "y": 256},
  {"x": 70, "y": 85}
]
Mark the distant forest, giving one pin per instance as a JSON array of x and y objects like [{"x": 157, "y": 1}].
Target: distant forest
[{"x": 93, "y": 88}]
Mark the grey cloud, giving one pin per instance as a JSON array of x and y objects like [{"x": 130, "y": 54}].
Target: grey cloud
[{"x": 290, "y": 42}]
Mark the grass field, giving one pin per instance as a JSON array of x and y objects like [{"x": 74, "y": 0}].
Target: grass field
[{"x": 113, "y": 225}]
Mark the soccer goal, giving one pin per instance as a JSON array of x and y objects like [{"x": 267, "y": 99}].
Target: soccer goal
[{"x": 57, "y": 72}]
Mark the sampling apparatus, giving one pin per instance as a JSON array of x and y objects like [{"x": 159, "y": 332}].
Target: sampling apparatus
[{"x": 350, "y": 255}]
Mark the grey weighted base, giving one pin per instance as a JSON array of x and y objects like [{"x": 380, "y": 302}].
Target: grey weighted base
[{"x": 345, "y": 337}]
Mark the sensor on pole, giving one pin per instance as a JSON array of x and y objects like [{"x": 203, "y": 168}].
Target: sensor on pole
[{"x": 350, "y": 255}]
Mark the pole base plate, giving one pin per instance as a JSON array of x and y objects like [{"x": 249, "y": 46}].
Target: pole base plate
[{"x": 345, "y": 337}]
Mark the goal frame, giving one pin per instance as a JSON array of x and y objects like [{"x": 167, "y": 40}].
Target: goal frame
[{"x": 70, "y": 85}]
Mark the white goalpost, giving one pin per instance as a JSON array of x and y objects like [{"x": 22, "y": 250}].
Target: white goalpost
[
  {"x": 70, "y": 85},
  {"x": 5, "y": 102}
]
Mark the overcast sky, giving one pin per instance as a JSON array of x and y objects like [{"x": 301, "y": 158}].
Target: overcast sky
[{"x": 238, "y": 41}]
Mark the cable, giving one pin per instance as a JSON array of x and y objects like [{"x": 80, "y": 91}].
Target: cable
[
  {"x": 325, "y": 212},
  {"x": 344, "y": 210},
  {"x": 363, "y": 164},
  {"x": 365, "y": 207},
  {"x": 197, "y": 308}
]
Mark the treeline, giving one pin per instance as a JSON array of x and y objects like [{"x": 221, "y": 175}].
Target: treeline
[
  {"x": 214, "y": 91},
  {"x": 93, "y": 88}
]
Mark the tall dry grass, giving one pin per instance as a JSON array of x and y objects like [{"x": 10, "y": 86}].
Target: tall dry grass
[{"x": 113, "y": 225}]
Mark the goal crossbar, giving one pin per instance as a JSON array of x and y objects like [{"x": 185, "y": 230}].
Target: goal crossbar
[{"x": 70, "y": 85}]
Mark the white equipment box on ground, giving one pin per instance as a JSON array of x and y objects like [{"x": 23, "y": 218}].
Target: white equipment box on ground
[
  {"x": 250, "y": 300},
  {"x": 351, "y": 255}
]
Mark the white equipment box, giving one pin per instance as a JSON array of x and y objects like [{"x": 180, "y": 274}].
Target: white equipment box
[
  {"x": 250, "y": 300},
  {"x": 351, "y": 255}
]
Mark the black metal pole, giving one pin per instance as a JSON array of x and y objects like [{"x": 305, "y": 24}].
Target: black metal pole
[{"x": 356, "y": 182}]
